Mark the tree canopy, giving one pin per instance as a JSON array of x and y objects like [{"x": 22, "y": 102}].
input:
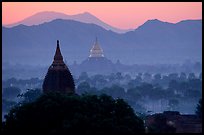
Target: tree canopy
[{"x": 85, "y": 114}]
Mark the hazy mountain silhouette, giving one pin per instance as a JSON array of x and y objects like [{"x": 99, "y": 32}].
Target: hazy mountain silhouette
[
  {"x": 48, "y": 16},
  {"x": 153, "y": 42}
]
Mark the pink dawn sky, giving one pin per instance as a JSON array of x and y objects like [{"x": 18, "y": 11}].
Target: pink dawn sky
[{"x": 122, "y": 15}]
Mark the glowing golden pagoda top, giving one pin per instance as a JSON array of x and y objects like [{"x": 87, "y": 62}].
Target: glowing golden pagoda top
[{"x": 96, "y": 50}]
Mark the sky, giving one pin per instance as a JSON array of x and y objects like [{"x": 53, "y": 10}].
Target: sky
[{"x": 123, "y": 15}]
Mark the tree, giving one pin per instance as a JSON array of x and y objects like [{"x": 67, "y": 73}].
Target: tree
[
  {"x": 147, "y": 77},
  {"x": 111, "y": 77},
  {"x": 157, "y": 78},
  {"x": 191, "y": 76},
  {"x": 83, "y": 76},
  {"x": 127, "y": 77},
  {"x": 138, "y": 79},
  {"x": 199, "y": 109},
  {"x": 83, "y": 87},
  {"x": 119, "y": 76},
  {"x": 98, "y": 81},
  {"x": 182, "y": 76},
  {"x": 173, "y": 76},
  {"x": 73, "y": 114},
  {"x": 31, "y": 95}
]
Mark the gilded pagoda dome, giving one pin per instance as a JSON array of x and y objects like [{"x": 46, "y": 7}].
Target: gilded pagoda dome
[{"x": 96, "y": 50}]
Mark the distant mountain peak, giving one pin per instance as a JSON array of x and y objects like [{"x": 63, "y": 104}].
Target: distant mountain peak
[
  {"x": 156, "y": 21},
  {"x": 190, "y": 20},
  {"x": 87, "y": 13},
  {"x": 45, "y": 12},
  {"x": 47, "y": 16},
  {"x": 150, "y": 44},
  {"x": 182, "y": 21},
  {"x": 153, "y": 23}
]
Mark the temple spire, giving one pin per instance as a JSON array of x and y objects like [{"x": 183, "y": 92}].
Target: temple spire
[
  {"x": 57, "y": 42},
  {"x": 58, "y": 55},
  {"x": 96, "y": 50},
  {"x": 58, "y": 77}
]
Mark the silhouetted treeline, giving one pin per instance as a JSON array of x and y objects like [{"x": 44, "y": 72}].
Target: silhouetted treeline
[{"x": 72, "y": 114}]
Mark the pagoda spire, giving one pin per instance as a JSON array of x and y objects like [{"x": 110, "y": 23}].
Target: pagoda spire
[
  {"x": 96, "y": 50},
  {"x": 58, "y": 77},
  {"x": 58, "y": 55}
]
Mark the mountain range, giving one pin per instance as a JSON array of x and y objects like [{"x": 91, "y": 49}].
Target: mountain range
[
  {"x": 48, "y": 16},
  {"x": 153, "y": 42}
]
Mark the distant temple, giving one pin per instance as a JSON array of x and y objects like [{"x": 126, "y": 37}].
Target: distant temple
[
  {"x": 97, "y": 62},
  {"x": 58, "y": 77},
  {"x": 96, "y": 50}
]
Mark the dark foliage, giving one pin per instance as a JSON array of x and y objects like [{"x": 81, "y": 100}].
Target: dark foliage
[
  {"x": 86, "y": 114},
  {"x": 31, "y": 95}
]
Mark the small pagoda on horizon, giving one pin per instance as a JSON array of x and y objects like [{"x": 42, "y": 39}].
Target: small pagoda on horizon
[
  {"x": 96, "y": 62},
  {"x": 58, "y": 77},
  {"x": 96, "y": 50}
]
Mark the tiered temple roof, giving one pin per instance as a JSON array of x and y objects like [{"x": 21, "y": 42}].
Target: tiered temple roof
[
  {"x": 96, "y": 50},
  {"x": 58, "y": 77},
  {"x": 96, "y": 62}
]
